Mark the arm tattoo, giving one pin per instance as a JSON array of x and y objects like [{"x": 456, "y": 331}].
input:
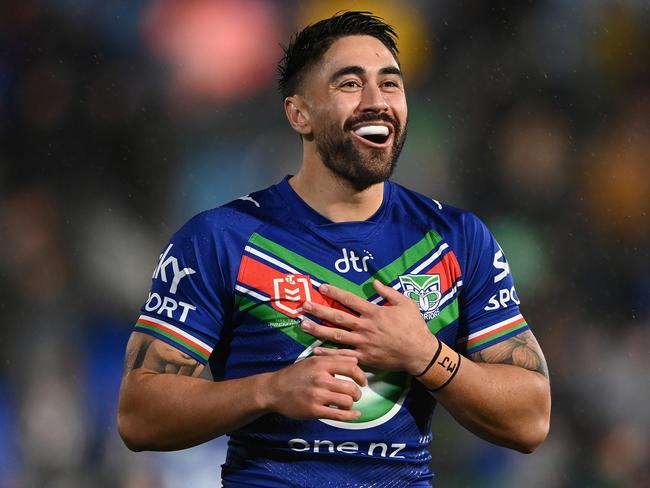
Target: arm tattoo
[
  {"x": 521, "y": 350},
  {"x": 142, "y": 352},
  {"x": 147, "y": 352}
]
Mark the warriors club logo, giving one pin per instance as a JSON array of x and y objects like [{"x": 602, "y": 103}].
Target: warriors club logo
[{"x": 425, "y": 291}]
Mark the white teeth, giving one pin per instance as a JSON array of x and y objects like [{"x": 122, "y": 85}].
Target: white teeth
[{"x": 372, "y": 130}]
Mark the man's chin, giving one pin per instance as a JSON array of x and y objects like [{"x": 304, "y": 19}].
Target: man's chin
[
  {"x": 361, "y": 181},
  {"x": 356, "y": 164}
]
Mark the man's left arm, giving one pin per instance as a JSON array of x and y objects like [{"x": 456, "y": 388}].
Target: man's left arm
[{"x": 501, "y": 393}]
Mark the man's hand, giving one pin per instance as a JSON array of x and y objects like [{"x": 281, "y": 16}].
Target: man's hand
[
  {"x": 314, "y": 389},
  {"x": 390, "y": 338}
]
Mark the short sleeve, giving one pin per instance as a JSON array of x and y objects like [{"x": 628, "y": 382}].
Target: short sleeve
[
  {"x": 187, "y": 302},
  {"x": 489, "y": 306}
]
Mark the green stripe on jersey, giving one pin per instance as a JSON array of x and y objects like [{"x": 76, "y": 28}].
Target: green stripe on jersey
[
  {"x": 444, "y": 318},
  {"x": 321, "y": 273},
  {"x": 172, "y": 338},
  {"x": 518, "y": 326},
  {"x": 268, "y": 314},
  {"x": 386, "y": 275},
  {"x": 406, "y": 261}
]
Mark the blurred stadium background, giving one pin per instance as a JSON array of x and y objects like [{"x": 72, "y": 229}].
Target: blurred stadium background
[{"x": 119, "y": 120}]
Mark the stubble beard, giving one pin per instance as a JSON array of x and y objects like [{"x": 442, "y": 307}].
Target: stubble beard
[{"x": 360, "y": 169}]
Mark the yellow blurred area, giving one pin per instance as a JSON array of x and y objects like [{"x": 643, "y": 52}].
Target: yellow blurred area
[
  {"x": 621, "y": 43},
  {"x": 415, "y": 49},
  {"x": 617, "y": 186}
]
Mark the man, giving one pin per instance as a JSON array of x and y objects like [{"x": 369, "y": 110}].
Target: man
[{"x": 335, "y": 308}]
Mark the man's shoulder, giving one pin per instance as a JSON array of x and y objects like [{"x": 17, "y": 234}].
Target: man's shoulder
[
  {"x": 419, "y": 206},
  {"x": 240, "y": 216}
]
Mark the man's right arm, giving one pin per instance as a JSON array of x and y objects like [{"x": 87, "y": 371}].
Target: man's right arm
[{"x": 164, "y": 405}]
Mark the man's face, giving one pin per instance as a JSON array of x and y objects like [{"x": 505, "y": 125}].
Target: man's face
[{"x": 358, "y": 110}]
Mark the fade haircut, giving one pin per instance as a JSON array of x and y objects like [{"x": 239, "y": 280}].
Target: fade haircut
[{"x": 308, "y": 46}]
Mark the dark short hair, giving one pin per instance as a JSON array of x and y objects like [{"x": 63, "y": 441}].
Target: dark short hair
[{"x": 308, "y": 46}]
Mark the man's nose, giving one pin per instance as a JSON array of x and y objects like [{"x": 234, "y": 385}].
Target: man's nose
[{"x": 372, "y": 99}]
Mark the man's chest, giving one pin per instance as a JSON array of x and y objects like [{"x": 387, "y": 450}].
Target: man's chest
[{"x": 278, "y": 272}]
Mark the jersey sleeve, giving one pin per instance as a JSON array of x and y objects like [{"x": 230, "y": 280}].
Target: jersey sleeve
[
  {"x": 488, "y": 304},
  {"x": 187, "y": 304}
]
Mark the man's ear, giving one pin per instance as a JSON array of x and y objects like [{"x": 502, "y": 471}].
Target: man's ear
[{"x": 298, "y": 114}]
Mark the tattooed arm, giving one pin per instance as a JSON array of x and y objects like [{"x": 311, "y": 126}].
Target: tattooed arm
[
  {"x": 146, "y": 352},
  {"x": 164, "y": 405},
  {"x": 503, "y": 393},
  {"x": 521, "y": 350}
]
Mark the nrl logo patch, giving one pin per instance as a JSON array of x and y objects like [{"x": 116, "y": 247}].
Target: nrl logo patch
[
  {"x": 289, "y": 293},
  {"x": 425, "y": 291}
]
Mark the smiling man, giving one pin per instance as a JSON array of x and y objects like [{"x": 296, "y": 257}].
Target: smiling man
[{"x": 336, "y": 308}]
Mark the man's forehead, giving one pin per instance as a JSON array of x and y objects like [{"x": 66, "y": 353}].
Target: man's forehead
[{"x": 366, "y": 51}]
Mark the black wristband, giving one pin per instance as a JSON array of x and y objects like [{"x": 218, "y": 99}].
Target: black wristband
[
  {"x": 433, "y": 360},
  {"x": 448, "y": 379}
]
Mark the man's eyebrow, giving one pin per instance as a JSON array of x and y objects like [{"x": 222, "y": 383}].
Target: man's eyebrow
[
  {"x": 359, "y": 71},
  {"x": 348, "y": 70},
  {"x": 390, "y": 70}
]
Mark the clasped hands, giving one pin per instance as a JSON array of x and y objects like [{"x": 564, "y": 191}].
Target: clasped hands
[{"x": 389, "y": 338}]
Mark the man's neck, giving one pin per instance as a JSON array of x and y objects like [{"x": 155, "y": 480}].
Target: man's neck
[{"x": 333, "y": 197}]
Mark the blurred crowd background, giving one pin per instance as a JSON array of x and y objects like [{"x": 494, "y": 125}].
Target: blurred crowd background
[{"x": 119, "y": 120}]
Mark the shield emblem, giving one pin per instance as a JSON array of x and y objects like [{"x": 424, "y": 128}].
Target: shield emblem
[
  {"x": 289, "y": 293},
  {"x": 424, "y": 290}
]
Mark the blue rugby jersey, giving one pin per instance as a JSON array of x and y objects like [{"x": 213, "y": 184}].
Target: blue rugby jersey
[{"x": 228, "y": 289}]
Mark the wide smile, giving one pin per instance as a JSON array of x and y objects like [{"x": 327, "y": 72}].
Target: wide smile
[{"x": 375, "y": 135}]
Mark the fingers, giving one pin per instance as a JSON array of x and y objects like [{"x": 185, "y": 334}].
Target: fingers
[
  {"x": 348, "y": 388},
  {"x": 328, "y": 351},
  {"x": 332, "y": 315},
  {"x": 341, "y": 390},
  {"x": 318, "y": 387},
  {"x": 347, "y": 366},
  {"x": 342, "y": 364},
  {"x": 358, "y": 304},
  {"x": 332, "y": 397},
  {"x": 332, "y": 334},
  {"x": 344, "y": 386},
  {"x": 327, "y": 412},
  {"x": 389, "y": 293},
  {"x": 346, "y": 298}
]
